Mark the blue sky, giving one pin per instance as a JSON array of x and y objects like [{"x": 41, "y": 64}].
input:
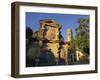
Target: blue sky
[{"x": 66, "y": 20}]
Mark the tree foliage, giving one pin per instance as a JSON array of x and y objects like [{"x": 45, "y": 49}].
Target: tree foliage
[
  {"x": 29, "y": 32},
  {"x": 82, "y": 35}
]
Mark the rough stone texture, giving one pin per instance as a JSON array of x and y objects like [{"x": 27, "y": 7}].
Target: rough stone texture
[{"x": 49, "y": 30}]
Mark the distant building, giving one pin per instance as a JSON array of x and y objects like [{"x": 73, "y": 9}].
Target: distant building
[{"x": 69, "y": 35}]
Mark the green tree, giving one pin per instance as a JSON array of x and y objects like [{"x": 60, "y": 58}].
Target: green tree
[{"x": 82, "y": 35}]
